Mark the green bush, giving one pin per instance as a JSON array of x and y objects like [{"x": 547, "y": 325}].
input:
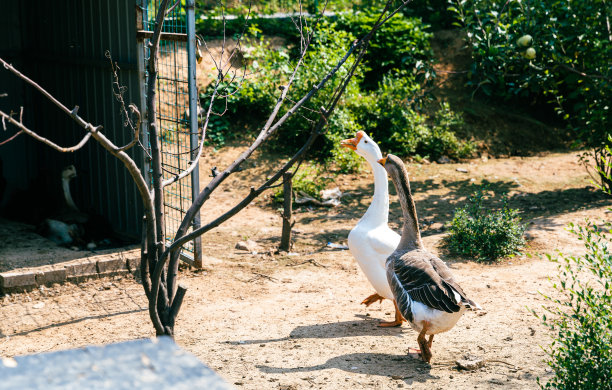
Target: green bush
[
  {"x": 570, "y": 69},
  {"x": 401, "y": 46},
  {"x": 388, "y": 113},
  {"x": 581, "y": 354},
  {"x": 271, "y": 69},
  {"x": 484, "y": 233}
]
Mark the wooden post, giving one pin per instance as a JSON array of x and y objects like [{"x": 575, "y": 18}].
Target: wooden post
[{"x": 287, "y": 212}]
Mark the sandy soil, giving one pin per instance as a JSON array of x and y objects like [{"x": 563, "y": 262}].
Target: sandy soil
[{"x": 294, "y": 320}]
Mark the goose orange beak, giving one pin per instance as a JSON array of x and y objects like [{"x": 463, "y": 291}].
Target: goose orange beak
[
  {"x": 382, "y": 161},
  {"x": 352, "y": 143}
]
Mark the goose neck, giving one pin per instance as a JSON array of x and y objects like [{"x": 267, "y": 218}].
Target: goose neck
[
  {"x": 411, "y": 235},
  {"x": 67, "y": 196},
  {"x": 378, "y": 212}
]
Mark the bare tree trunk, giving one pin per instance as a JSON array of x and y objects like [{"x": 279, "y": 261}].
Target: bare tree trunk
[{"x": 287, "y": 212}]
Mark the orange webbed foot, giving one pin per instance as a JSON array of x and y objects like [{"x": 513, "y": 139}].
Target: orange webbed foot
[
  {"x": 399, "y": 319},
  {"x": 372, "y": 299},
  {"x": 390, "y": 324}
]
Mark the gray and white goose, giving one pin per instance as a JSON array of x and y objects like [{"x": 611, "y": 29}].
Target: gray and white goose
[{"x": 423, "y": 286}]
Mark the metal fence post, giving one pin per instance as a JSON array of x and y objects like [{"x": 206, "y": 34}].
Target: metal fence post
[{"x": 193, "y": 122}]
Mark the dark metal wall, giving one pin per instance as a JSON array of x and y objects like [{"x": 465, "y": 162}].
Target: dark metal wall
[{"x": 61, "y": 45}]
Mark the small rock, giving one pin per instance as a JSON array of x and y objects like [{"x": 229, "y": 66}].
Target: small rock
[
  {"x": 249, "y": 246},
  {"x": 470, "y": 363},
  {"x": 396, "y": 377},
  {"x": 39, "y": 305},
  {"x": 444, "y": 160},
  {"x": 462, "y": 170}
]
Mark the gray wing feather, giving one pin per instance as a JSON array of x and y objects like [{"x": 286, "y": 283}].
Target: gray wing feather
[{"x": 424, "y": 278}]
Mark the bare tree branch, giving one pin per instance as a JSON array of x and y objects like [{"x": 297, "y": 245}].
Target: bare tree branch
[
  {"x": 6, "y": 141},
  {"x": 23, "y": 129},
  {"x": 118, "y": 91}
]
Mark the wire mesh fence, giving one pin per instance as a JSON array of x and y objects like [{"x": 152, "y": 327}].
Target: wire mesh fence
[{"x": 177, "y": 127}]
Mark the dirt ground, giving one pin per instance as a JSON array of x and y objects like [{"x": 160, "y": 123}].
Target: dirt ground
[{"x": 294, "y": 320}]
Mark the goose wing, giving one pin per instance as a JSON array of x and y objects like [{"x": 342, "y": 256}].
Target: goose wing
[{"x": 426, "y": 279}]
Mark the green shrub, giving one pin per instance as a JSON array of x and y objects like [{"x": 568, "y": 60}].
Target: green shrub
[
  {"x": 401, "y": 46},
  {"x": 581, "y": 354},
  {"x": 271, "y": 69},
  {"x": 309, "y": 179},
  {"x": 570, "y": 69},
  {"x": 484, "y": 233},
  {"x": 388, "y": 113}
]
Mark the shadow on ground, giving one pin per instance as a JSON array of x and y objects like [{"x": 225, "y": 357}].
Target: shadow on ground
[{"x": 410, "y": 367}]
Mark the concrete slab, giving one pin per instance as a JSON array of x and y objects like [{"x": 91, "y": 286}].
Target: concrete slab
[{"x": 140, "y": 364}]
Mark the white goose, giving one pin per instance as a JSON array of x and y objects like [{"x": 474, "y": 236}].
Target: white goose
[
  {"x": 371, "y": 241},
  {"x": 423, "y": 286}
]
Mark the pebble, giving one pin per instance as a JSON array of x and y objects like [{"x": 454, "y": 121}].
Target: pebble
[{"x": 470, "y": 363}]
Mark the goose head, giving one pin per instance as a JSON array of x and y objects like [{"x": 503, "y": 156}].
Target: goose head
[
  {"x": 393, "y": 165},
  {"x": 363, "y": 145},
  {"x": 69, "y": 172}
]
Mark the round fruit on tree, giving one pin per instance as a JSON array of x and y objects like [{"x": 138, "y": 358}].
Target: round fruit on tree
[
  {"x": 530, "y": 53},
  {"x": 524, "y": 41}
]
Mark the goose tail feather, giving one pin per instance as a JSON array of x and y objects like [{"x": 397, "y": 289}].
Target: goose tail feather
[{"x": 471, "y": 304}]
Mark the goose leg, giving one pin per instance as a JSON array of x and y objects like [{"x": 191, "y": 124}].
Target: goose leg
[
  {"x": 398, "y": 319},
  {"x": 430, "y": 342},
  {"x": 372, "y": 299},
  {"x": 425, "y": 350}
]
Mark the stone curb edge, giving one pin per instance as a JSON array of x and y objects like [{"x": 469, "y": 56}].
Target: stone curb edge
[{"x": 26, "y": 279}]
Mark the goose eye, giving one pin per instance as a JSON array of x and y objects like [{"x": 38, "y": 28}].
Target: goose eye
[{"x": 365, "y": 142}]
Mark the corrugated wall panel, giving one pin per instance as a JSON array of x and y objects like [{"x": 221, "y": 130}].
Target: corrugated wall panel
[
  {"x": 64, "y": 43},
  {"x": 18, "y": 158}
]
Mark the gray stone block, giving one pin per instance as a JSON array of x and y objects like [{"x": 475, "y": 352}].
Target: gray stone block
[
  {"x": 50, "y": 276},
  {"x": 86, "y": 268},
  {"x": 17, "y": 279},
  {"x": 133, "y": 264},
  {"x": 111, "y": 266},
  {"x": 139, "y": 364}
]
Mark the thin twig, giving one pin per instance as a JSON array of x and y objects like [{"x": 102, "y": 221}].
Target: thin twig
[{"x": 12, "y": 137}]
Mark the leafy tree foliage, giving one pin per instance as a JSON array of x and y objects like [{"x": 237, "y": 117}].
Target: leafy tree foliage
[{"x": 553, "y": 51}]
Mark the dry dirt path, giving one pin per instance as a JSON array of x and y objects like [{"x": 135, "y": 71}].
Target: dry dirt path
[{"x": 294, "y": 321}]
